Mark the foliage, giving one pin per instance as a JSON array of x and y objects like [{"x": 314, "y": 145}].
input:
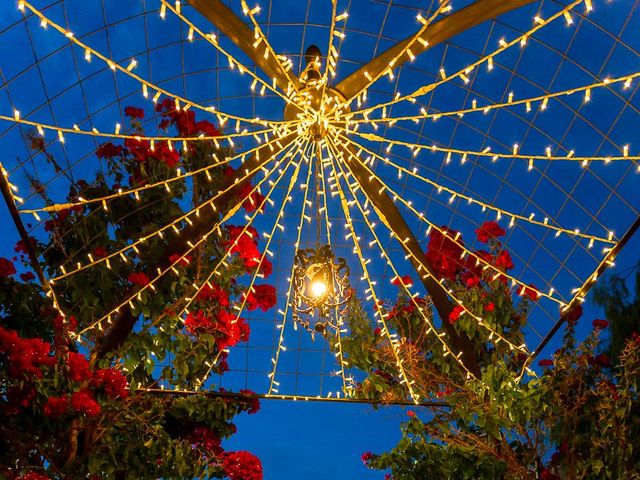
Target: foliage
[
  {"x": 612, "y": 294},
  {"x": 579, "y": 420},
  {"x": 80, "y": 398}
]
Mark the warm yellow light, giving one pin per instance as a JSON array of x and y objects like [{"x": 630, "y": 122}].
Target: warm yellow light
[{"x": 318, "y": 288}]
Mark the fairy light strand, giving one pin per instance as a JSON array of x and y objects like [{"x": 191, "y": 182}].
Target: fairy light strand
[{"x": 485, "y": 206}]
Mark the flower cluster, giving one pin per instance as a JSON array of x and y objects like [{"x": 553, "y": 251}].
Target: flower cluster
[
  {"x": 6, "y": 267},
  {"x": 262, "y": 297},
  {"x": 25, "y": 357},
  {"x": 241, "y": 465}
]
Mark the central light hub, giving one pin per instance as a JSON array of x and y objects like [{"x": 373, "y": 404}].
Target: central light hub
[{"x": 314, "y": 106}]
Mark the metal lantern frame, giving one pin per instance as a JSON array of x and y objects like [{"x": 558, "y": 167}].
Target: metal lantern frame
[{"x": 320, "y": 264}]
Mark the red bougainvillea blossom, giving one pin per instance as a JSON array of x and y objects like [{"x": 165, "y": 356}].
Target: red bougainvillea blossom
[
  {"x": 366, "y": 457},
  {"x": 489, "y": 230},
  {"x": 79, "y": 369},
  {"x": 109, "y": 150},
  {"x": 138, "y": 278},
  {"x": 184, "y": 120},
  {"x": 503, "y": 260},
  {"x": 545, "y": 362},
  {"x": 100, "y": 252},
  {"x": 405, "y": 280},
  {"x": 224, "y": 325},
  {"x": 530, "y": 291},
  {"x": 83, "y": 401},
  {"x": 33, "y": 476},
  {"x": 112, "y": 381},
  {"x": 454, "y": 315},
  {"x": 178, "y": 259},
  {"x": 56, "y": 406},
  {"x": 134, "y": 112},
  {"x": 443, "y": 253},
  {"x": 244, "y": 242},
  {"x": 489, "y": 307},
  {"x": 252, "y": 399},
  {"x": 573, "y": 315},
  {"x": 213, "y": 292},
  {"x": 205, "y": 440},
  {"x": 262, "y": 297},
  {"x": 241, "y": 465},
  {"x": 600, "y": 324},
  {"x": 253, "y": 199},
  {"x": 6, "y": 267},
  {"x": 25, "y": 356}
]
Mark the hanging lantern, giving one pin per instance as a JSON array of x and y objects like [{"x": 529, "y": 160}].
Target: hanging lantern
[{"x": 320, "y": 285}]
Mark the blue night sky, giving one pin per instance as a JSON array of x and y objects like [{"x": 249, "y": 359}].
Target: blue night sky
[{"x": 46, "y": 78}]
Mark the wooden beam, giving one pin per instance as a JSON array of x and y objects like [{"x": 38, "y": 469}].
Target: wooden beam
[
  {"x": 439, "y": 32},
  {"x": 394, "y": 220},
  {"x": 241, "y": 34}
]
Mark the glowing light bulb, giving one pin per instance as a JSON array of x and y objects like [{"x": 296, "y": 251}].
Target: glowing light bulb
[{"x": 318, "y": 288}]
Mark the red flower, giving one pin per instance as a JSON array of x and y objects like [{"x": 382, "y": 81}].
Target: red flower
[
  {"x": 503, "y": 260},
  {"x": 197, "y": 322},
  {"x": 79, "y": 369},
  {"x": 56, "y": 406},
  {"x": 232, "y": 331},
  {"x": 377, "y": 331},
  {"x": 262, "y": 296},
  {"x": 411, "y": 413},
  {"x": 24, "y": 356},
  {"x": 245, "y": 244},
  {"x": 406, "y": 280},
  {"x": 113, "y": 381},
  {"x": 489, "y": 307},
  {"x": 241, "y": 466},
  {"x": 601, "y": 360},
  {"x": 207, "y": 128},
  {"x": 600, "y": 324},
  {"x": 180, "y": 260},
  {"x": 530, "y": 291},
  {"x": 470, "y": 279},
  {"x": 138, "y": 278},
  {"x": 19, "y": 397},
  {"x": 214, "y": 292},
  {"x": 366, "y": 457},
  {"x": 83, "y": 401},
  {"x": 100, "y": 252},
  {"x": 33, "y": 476},
  {"x": 489, "y": 230},
  {"x": 252, "y": 399},
  {"x": 72, "y": 323},
  {"x": 134, "y": 112},
  {"x": 206, "y": 440},
  {"x": 6, "y": 267},
  {"x": 251, "y": 200},
  {"x": 573, "y": 315},
  {"x": 545, "y": 362},
  {"x": 21, "y": 247},
  {"x": 26, "y": 277},
  {"x": 443, "y": 253},
  {"x": 454, "y": 315},
  {"x": 109, "y": 150}
]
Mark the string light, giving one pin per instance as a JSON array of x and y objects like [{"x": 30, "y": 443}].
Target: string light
[
  {"x": 446, "y": 78},
  {"x": 472, "y": 200}
]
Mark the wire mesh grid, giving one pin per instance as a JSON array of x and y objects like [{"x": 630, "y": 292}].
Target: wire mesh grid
[{"x": 47, "y": 79}]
